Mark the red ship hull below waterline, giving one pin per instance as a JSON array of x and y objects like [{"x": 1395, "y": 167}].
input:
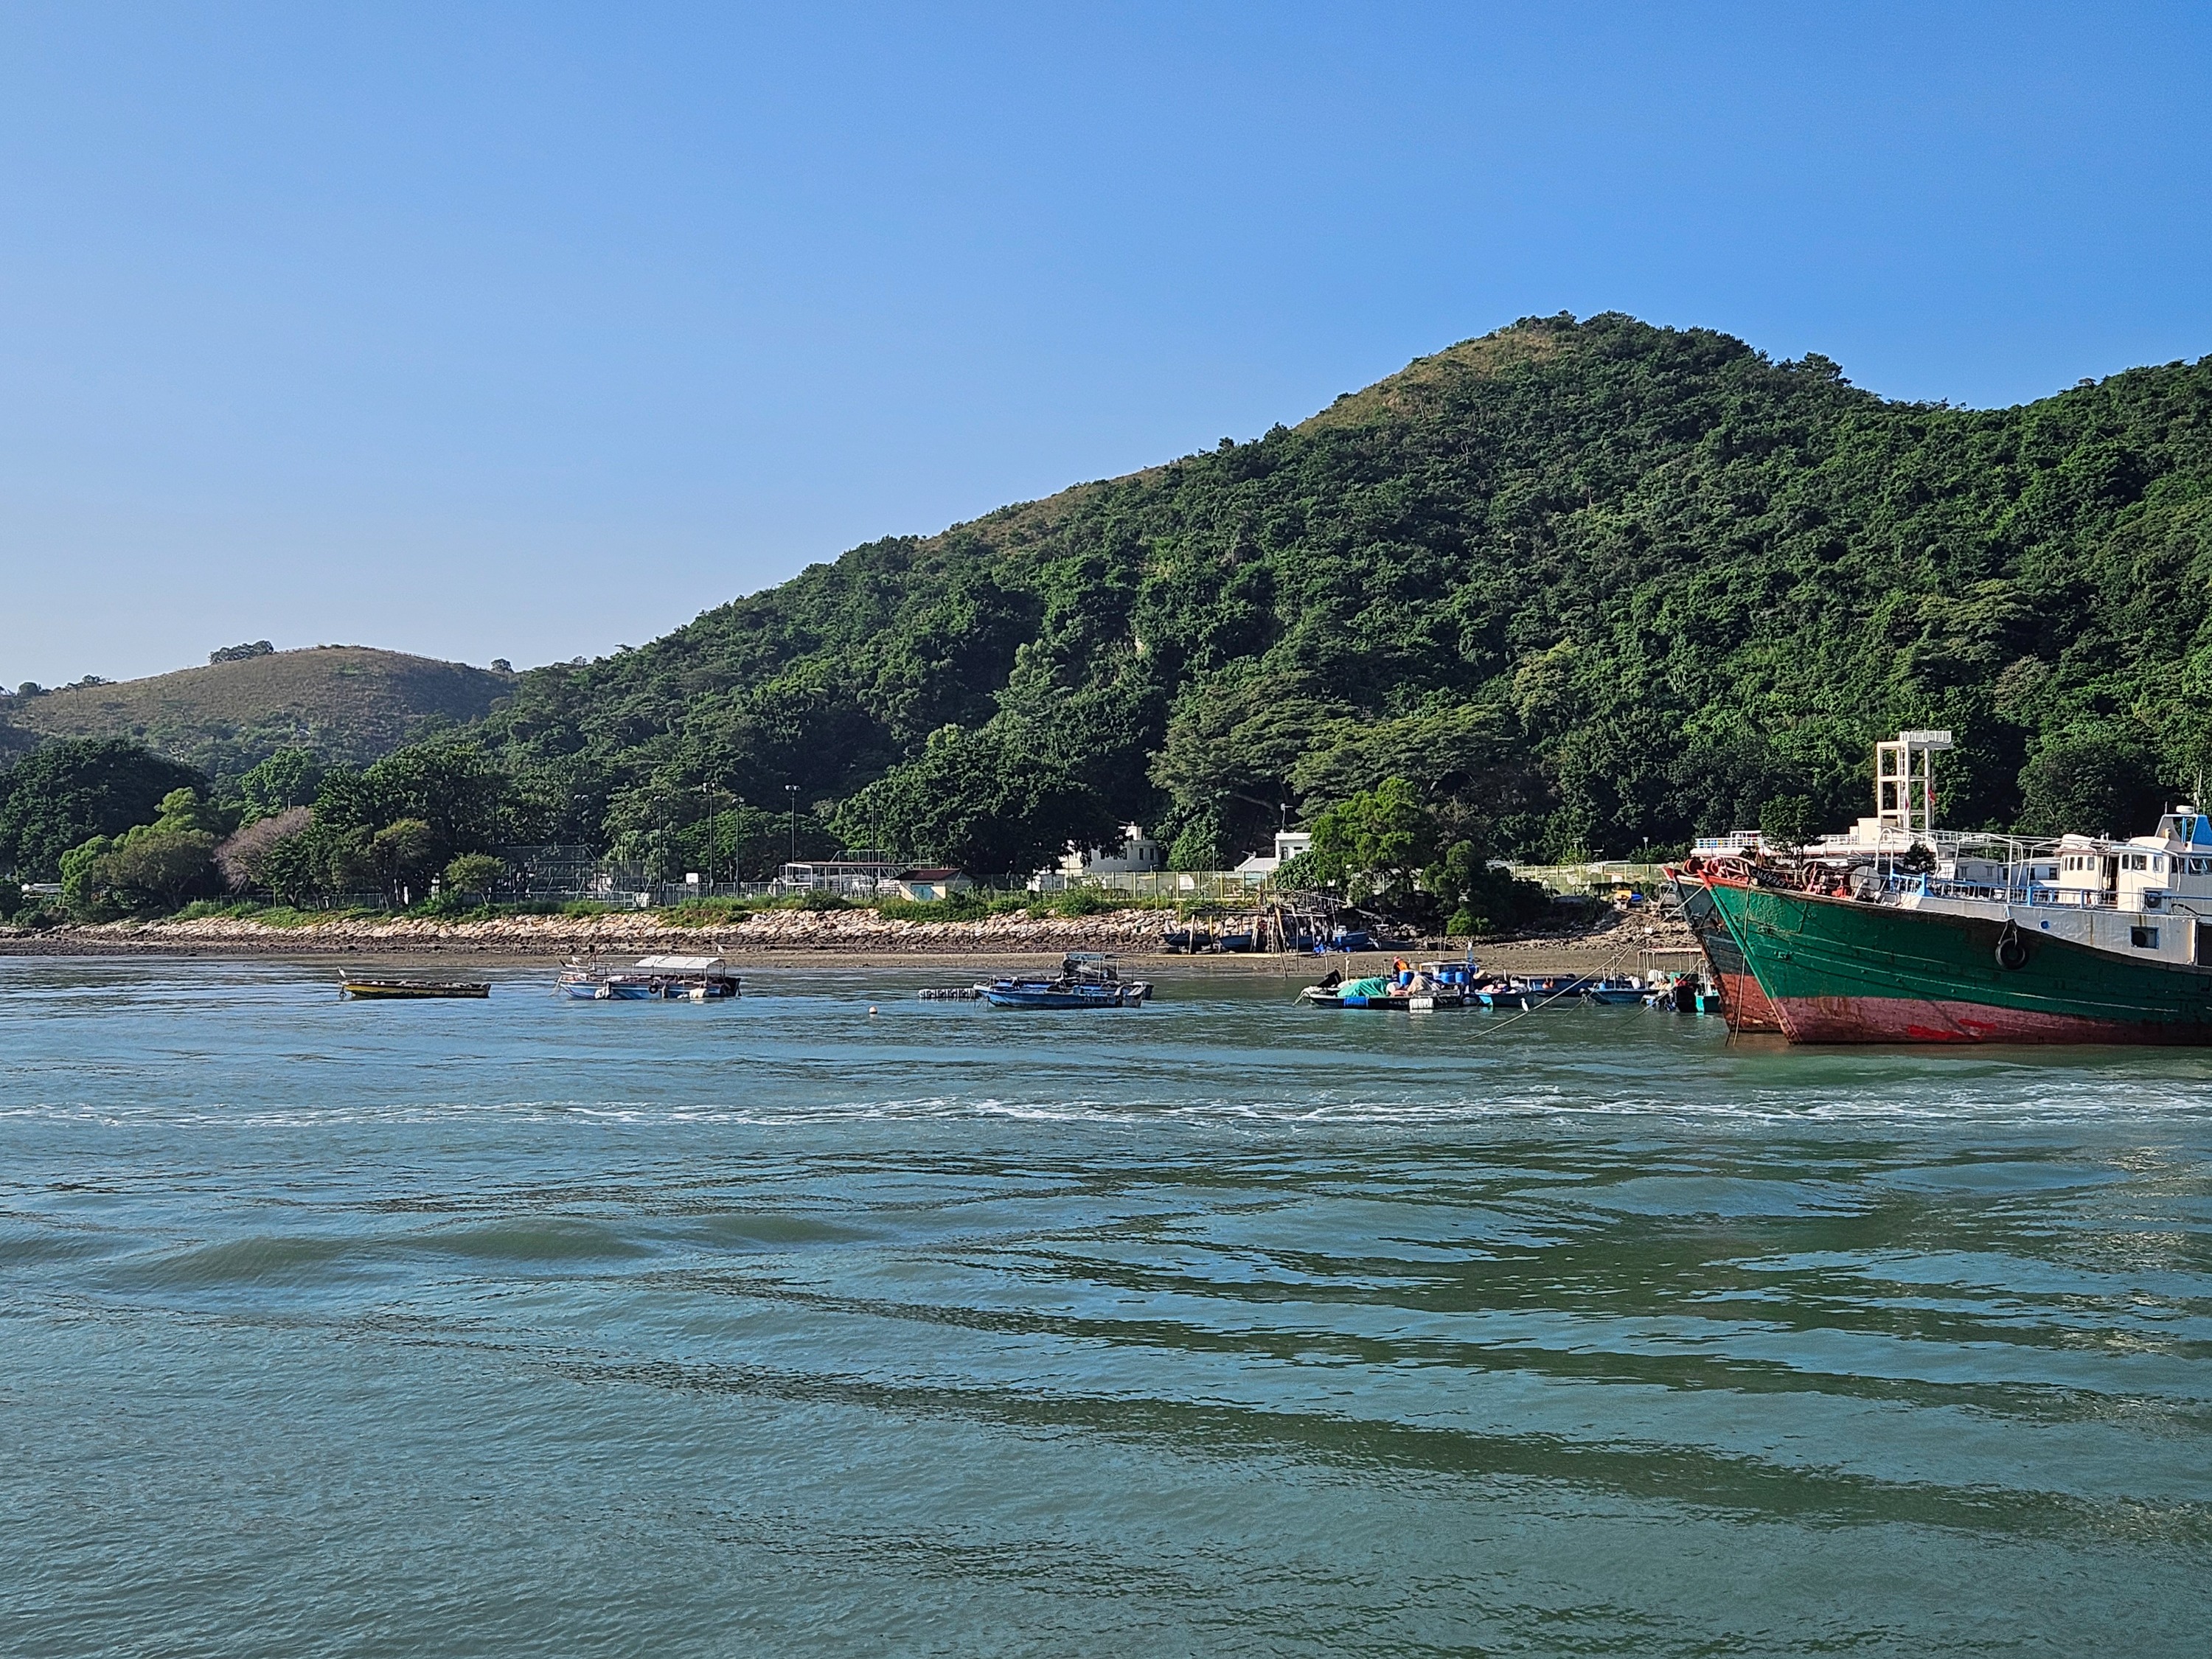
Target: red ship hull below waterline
[
  {"x": 1913, "y": 1019},
  {"x": 1745, "y": 1006}
]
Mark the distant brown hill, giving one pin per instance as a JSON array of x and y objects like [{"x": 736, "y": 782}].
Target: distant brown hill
[{"x": 349, "y": 703}]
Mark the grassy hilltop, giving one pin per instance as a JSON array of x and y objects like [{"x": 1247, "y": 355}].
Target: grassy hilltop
[
  {"x": 348, "y": 702},
  {"x": 1583, "y": 583}
]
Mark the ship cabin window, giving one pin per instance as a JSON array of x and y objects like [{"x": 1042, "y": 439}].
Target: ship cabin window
[
  {"x": 2198, "y": 867},
  {"x": 2143, "y": 938},
  {"x": 2132, "y": 861}
]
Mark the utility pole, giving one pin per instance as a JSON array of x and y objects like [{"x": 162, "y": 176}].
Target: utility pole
[
  {"x": 791, "y": 789},
  {"x": 710, "y": 795}
]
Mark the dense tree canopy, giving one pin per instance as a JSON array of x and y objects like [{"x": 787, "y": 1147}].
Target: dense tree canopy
[
  {"x": 388, "y": 828},
  {"x": 150, "y": 867},
  {"x": 62, "y": 795},
  {"x": 1387, "y": 847},
  {"x": 981, "y": 800},
  {"x": 287, "y": 778}
]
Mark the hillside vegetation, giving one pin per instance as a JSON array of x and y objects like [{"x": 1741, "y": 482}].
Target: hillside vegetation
[
  {"x": 1572, "y": 587},
  {"x": 348, "y": 704},
  {"x": 1585, "y": 584}
]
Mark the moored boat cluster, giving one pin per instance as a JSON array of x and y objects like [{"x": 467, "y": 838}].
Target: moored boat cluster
[{"x": 1421, "y": 987}]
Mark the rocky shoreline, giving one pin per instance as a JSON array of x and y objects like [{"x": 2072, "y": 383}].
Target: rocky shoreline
[{"x": 765, "y": 933}]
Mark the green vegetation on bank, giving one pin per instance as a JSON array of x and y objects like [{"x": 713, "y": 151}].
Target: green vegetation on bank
[
  {"x": 294, "y": 842},
  {"x": 1385, "y": 847},
  {"x": 63, "y": 795}
]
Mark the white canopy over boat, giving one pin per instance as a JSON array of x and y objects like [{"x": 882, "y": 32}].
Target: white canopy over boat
[{"x": 679, "y": 964}]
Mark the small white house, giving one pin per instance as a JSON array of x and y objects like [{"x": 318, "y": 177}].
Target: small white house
[{"x": 1289, "y": 843}]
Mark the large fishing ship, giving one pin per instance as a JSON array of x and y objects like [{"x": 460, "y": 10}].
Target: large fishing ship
[{"x": 1896, "y": 932}]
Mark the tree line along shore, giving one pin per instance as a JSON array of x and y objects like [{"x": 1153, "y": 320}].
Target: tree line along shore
[{"x": 133, "y": 837}]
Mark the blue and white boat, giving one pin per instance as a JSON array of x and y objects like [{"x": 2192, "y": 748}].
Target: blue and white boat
[
  {"x": 1617, "y": 992},
  {"x": 653, "y": 978},
  {"x": 1086, "y": 979},
  {"x": 1416, "y": 988}
]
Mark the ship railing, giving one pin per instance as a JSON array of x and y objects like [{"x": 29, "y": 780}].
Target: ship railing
[
  {"x": 2028, "y": 895},
  {"x": 2075, "y": 898}
]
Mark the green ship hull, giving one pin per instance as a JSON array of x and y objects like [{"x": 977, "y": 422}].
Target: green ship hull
[{"x": 1839, "y": 970}]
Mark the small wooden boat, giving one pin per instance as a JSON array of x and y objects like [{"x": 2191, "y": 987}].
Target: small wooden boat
[
  {"x": 1381, "y": 991},
  {"x": 413, "y": 989}
]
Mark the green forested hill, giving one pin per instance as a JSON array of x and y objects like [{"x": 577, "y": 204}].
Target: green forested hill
[{"x": 1586, "y": 583}]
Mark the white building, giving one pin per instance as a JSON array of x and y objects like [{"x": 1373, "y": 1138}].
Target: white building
[
  {"x": 1289, "y": 843},
  {"x": 1137, "y": 854}
]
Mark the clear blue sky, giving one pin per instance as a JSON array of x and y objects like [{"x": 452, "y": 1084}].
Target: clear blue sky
[{"x": 523, "y": 332}]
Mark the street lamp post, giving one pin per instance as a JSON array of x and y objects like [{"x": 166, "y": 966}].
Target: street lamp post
[{"x": 791, "y": 790}]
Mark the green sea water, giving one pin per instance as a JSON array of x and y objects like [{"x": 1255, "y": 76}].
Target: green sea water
[{"x": 1218, "y": 1327}]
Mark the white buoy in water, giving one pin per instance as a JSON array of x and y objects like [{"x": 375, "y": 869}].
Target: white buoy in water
[{"x": 872, "y": 1011}]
